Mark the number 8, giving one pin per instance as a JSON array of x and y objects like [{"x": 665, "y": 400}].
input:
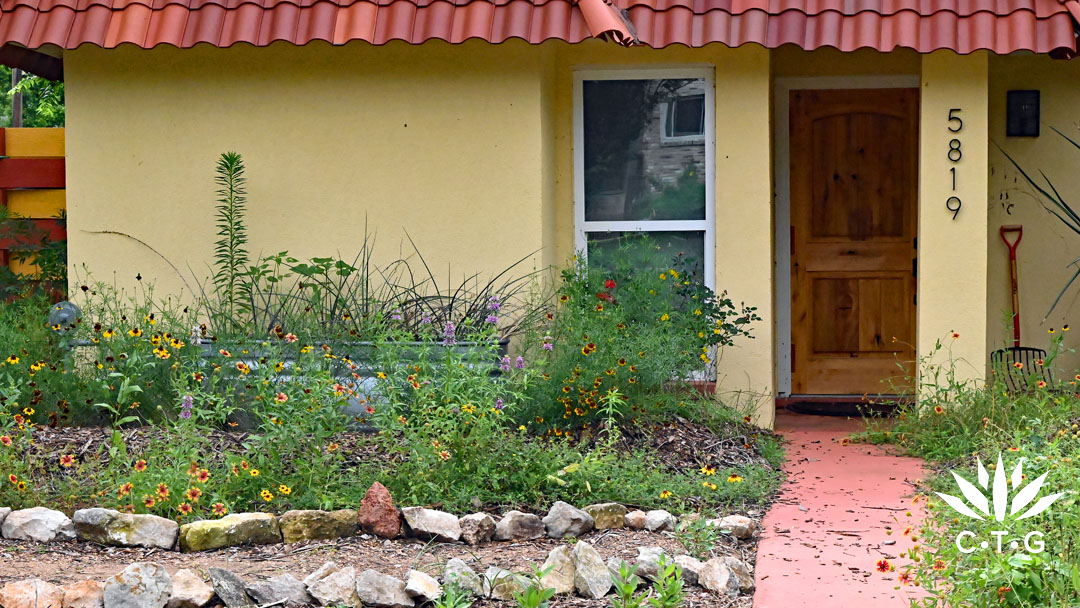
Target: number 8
[{"x": 954, "y": 150}]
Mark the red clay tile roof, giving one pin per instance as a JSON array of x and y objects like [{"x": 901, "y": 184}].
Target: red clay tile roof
[{"x": 1001, "y": 26}]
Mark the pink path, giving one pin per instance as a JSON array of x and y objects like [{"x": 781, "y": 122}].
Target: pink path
[{"x": 821, "y": 539}]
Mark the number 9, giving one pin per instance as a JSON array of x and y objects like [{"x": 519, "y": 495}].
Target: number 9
[{"x": 953, "y": 206}]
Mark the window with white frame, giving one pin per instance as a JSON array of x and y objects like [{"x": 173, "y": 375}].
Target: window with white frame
[{"x": 643, "y": 172}]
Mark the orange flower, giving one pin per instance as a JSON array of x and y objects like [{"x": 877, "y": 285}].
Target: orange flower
[
  {"x": 939, "y": 564},
  {"x": 219, "y": 509},
  {"x": 939, "y": 410},
  {"x": 1041, "y": 384},
  {"x": 906, "y": 578},
  {"x": 124, "y": 490},
  {"x": 184, "y": 508},
  {"x": 202, "y": 476},
  {"x": 13, "y": 478},
  {"x": 148, "y": 502},
  {"x": 4, "y": 439},
  {"x": 1018, "y": 365},
  {"x": 883, "y": 565},
  {"x": 281, "y": 398},
  {"x": 67, "y": 460},
  {"x": 908, "y": 530},
  {"x": 193, "y": 494},
  {"x": 162, "y": 491},
  {"x": 140, "y": 466}
]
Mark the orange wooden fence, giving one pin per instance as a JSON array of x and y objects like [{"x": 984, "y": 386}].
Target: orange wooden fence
[{"x": 32, "y": 188}]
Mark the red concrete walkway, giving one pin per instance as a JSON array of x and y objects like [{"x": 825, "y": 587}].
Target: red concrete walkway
[{"x": 821, "y": 540}]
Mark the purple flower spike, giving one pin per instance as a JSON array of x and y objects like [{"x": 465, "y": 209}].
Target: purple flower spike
[
  {"x": 499, "y": 403},
  {"x": 449, "y": 334},
  {"x": 493, "y": 304},
  {"x": 520, "y": 363},
  {"x": 491, "y": 319},
  {"x": 505, "y": 365}
]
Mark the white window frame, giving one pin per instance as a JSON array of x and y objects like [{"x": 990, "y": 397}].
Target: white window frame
[
  {"x": 675, "y": 140},
  {"x": 706, "y": 225}
]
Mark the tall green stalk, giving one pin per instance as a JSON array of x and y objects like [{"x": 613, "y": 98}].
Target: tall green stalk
[{"x": 230, "y": 255}]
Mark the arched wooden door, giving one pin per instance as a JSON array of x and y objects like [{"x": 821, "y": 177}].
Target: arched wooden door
[{"x": 854, "y": 189}]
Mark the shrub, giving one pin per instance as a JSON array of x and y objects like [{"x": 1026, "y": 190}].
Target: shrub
[{"x": 628, "y": 330}]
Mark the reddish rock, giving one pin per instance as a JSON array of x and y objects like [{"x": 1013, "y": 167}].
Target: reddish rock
[
  {"x": 378, "y": 515},
  {"x": 85, "y": 594},
  {"x": 32, "y": 593}
]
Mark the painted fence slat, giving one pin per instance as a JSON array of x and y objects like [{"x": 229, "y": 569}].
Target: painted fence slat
[{"x": 32, "y": 181}]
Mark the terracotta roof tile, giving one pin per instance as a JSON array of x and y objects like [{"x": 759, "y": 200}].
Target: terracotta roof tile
[{"x": 1002, "y": 26}]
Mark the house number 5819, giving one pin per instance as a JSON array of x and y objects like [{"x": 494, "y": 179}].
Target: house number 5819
[{"x": 954, "y": 154}]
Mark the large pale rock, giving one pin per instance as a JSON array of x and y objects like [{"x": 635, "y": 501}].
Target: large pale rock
[
  {"x": 607, "y": 516},
  {"x": 283, "y": 588},
  {"x": 298, "y": 526},
  {"x": 591, "y": 576},
  {"x": 382, "y": 591},
  {"x": 659, "y": 520},
  {"x": 477, "y": 528},
  {"x": 39, "y": 524},
  {"x": 84, "y": 594},
  {"x": 429, "y": 524},
  {"x": 31, "y": 593},
  {"x": 502, "y": 584},
  {"x": 4, "y": 512},
  {"x": 189, "y": 590},
  {"x": 109, "y": 527},
  {"x": 741, "y": 572},
  {"x": 564, "y": 520},
  {"x": 559, "y": 566},
  {"x": 691, "y": 568},
  {"x": 378, "y": 515},
  {"x": 635, "y": 520},
  {"x": 516, "y": 525},
  {"x": 230, "y": 531},
  {"x": 422, "y": 587},
  {"x": 140, "y": 585},
  {"x": 739, "y": 526},
  {"x": 338, "y": 588},
  {"x": 457, "y": 571},
  {"x": 322, "y": 572},
  {"x": 718, "y": 578},
  {"x": 648, "y": 562},
  {"x": 230, "y": 588}
]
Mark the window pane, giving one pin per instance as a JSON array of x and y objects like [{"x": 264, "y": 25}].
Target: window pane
[
  {"x": 647, "y": 250},
  {"x": 633, "y": 171},
  {"x": 689, "y": 116}
]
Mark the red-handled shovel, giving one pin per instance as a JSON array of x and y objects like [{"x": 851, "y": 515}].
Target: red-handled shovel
[{"x": 1013, "y": 245}]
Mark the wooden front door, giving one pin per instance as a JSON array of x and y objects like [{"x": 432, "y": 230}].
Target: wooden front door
[{"x": 854, "y": 187}]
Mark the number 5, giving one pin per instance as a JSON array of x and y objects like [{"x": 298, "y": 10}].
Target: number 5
[{"x": 955, "y": 119}]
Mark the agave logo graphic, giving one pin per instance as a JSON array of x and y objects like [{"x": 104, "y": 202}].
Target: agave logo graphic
[{"x": 995, "y": 506}]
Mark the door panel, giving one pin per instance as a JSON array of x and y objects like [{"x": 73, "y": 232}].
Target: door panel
[{"x": 854, "y": 180}]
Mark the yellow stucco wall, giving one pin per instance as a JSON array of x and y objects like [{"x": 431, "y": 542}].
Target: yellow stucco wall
[
  {"x": 952, "y": 279},
  {"x": 446, "y": 145},
  {"x": 1048, "y": 247}
]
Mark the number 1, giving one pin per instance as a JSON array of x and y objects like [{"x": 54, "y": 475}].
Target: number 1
[{"x": 953, "y": 171}]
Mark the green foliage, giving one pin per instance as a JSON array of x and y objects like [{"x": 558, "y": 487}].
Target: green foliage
[
  {"x": 454, "y": 596},
  {"x": 698, "y": 537},
  {"x": 626, "y": 330},
  {"x": 535, "y": 595},
  {"x": 43, "y": 100},
  {"x": 956, "y": 421},
  {"x": 668, "y": 586},
  {"x": 230, "y": 253},
  {"x": 625, "y": 583}
]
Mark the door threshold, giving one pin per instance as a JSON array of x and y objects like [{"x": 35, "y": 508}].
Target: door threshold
[{"x": 842, "y": 405}]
